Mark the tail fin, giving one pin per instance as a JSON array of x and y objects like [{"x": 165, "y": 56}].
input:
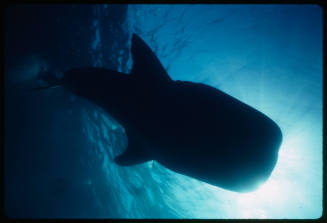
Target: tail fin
[
  {"x": 46, "y": 87},
  {"x": 51, "y": 79}
]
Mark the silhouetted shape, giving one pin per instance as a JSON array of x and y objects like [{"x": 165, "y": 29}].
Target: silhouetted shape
[{"x": 190, "y": 128}]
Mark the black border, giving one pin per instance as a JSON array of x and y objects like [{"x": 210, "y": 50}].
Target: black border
[{"x": 321, "y": 3}]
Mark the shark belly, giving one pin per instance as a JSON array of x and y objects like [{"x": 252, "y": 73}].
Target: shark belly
[
  {"x": 235, "y": 148},
  {"x": 221, "y": 159}
]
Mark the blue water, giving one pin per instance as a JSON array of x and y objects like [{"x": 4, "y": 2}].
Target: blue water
[{"x": 59, "y": 149}]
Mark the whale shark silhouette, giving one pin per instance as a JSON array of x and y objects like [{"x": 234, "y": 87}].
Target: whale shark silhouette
[{"x": 190, "y": 128}]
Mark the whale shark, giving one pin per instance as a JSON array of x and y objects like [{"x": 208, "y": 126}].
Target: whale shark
[{"x": 190, "y": 128}]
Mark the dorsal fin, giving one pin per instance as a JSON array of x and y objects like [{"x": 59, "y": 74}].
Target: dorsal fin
[{"x": 146, "y": 65}]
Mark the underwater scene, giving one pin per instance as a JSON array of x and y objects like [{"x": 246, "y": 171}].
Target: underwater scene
[{"x": 60, "y": 149}]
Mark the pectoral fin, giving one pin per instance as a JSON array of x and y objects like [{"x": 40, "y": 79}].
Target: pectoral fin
[{"x": 134, "y": 154}]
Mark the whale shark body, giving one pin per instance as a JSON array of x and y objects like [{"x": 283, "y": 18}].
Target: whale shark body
[{"x": 190, "y": 128}]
